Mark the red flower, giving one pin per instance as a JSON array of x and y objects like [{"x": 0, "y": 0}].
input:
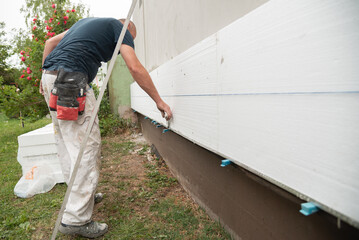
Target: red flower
[
  {"x": 67, "y": 10},
  {"x": 34, "y": 28},
  {"x": 58, "y": 23},
  {"x": 29, "y": 78},
  {"x": 54, "y": 11},
  {"x": 45, "y": 21},
  {"x": 66, "y": 17},
  {"x": 32, "y": 36},
  {"x": 73, "y": 10},
  {"x": 35, "y": 85},
  {"x": 22, "y": 52},
  {"x": 36, "y": 39},
  {"x": 53, "y": 6},
  {"x": 23, "y": 59},
  {"x": 23, "y": 71},
  {"x": 22, "y": 76},
  {"x": 34, "y": 19},
  {"x": 65, "y": 22},
  {"x": 47, "y": 27}
]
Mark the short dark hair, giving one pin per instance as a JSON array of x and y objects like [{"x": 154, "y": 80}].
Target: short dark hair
[{"x": 131, "y": 26}]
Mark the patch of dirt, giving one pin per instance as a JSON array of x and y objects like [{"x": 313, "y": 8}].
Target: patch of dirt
[
  {"x": 122, "y": 175},
  {"x": 133, "y": 180}
]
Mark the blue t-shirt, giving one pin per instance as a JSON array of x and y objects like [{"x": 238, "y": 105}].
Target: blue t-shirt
[{"x": 87, "y": 43}]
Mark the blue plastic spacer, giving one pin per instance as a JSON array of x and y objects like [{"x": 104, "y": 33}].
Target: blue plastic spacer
[
  {"x": 134, "y": 111},
  {"x": 146, "y": 117},
  {"x": 309, "y": 208},
  {"x": 225, "y": 162},
  {"x": 159, "y": 125},
  {"x": 165, "y": 130},
  {"x": 153, "y": 121}
]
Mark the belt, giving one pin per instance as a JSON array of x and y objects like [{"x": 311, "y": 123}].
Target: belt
[{"x": 51, "y": 72}]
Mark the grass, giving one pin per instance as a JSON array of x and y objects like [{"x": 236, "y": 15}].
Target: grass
[
  {"x": 142, "y": 199},
  {"x": 20, "y": 217}
]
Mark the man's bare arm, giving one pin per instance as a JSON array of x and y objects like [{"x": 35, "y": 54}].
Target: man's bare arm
[
  {"x": 50, "y": 45},
  {"x": 141, "y": 76}
]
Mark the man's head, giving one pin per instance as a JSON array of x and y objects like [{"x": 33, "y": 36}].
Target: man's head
[{"x": 131, "y": 27}]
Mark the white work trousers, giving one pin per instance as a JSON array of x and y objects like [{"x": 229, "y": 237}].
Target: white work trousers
[{"x": 69, "y": 135}]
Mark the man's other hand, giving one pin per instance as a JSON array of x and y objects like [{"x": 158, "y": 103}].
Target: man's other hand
[{"x": 41, "y": 90}]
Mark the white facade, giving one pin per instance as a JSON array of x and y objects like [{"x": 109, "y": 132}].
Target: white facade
[{"x": 276, "y": 92}]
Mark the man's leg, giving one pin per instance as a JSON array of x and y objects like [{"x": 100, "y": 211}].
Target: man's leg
[
  {"x": 62, "y": 153},
  {"x": 69, "y": 135},
  {"x": 81, "y": 201}
]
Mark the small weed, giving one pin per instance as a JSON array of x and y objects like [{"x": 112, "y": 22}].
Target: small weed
[
  {"x": 143, "y": 150},
  {"x": 122, "y": 148},
  {"x": 156, "y": 179}
]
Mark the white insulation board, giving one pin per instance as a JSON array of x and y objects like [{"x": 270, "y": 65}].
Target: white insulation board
[
  {"x": 38, "y": 148},
  {"x": 277, "y": 92}
]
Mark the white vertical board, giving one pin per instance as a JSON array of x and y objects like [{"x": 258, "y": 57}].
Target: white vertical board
[{"x": 277, "y": 92}]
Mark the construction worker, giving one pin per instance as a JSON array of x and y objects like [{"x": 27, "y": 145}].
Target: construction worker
[{"x": 76, "y": 52}]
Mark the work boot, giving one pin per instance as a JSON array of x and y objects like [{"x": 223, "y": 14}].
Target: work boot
[
  {"x": 89, "y": 230},
  {"x": 98, "y": 197}
]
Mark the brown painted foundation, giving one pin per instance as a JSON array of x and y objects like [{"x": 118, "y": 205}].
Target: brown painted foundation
[{"x": 248, "y": 206}]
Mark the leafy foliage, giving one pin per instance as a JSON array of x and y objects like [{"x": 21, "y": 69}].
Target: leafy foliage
[
  {"x": 7, "y": 73},
  {"x": 109, "y": 122},
  {"x": 44, "y": 20}
]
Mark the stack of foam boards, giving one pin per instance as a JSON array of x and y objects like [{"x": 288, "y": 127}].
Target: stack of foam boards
[
  {"x": 277, "y": 92},
  {"x": 37, "y": 148}
]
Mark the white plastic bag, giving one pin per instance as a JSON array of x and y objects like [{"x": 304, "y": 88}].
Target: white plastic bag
[{"x": 38, "y": 180}]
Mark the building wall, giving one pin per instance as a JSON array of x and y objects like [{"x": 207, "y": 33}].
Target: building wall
[
  {"x": 167, "y": 28},
  {"x": 248, "y": 206},
  {"x": 119, "y": 89}
]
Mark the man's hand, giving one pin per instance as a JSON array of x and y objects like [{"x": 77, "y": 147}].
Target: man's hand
[
  {"x": 165, "y": 110},
  {"x": 41, "y": 90},
  {"x": 141, "y": 76}
]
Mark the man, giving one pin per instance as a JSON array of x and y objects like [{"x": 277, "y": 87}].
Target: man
[{"x": 81, "y": 49}]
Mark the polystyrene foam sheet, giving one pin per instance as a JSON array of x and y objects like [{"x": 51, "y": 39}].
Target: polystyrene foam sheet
[
  {"x": 38, "y": 148},
  {"x": 277, "y": 92}
]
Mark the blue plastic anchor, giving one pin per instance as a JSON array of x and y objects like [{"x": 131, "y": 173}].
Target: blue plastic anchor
[
  {"x": 146, "y": 117},
  {"x": 225, "y": 162},
  {"x": 154, "y": 122},
  {"x": 165, "y": 130},
  {"x": 309, "y": 208},
  {"x": 134, "y": 111},
  {"x": 159, "y": 125}
]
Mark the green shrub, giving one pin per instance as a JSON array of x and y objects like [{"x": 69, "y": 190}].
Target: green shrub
[
  {"x": 109, "y": 122},
  {"x": 44, "y": 20}
]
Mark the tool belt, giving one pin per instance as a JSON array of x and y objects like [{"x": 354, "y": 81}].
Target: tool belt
[{"x": 68, "y": 97}]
